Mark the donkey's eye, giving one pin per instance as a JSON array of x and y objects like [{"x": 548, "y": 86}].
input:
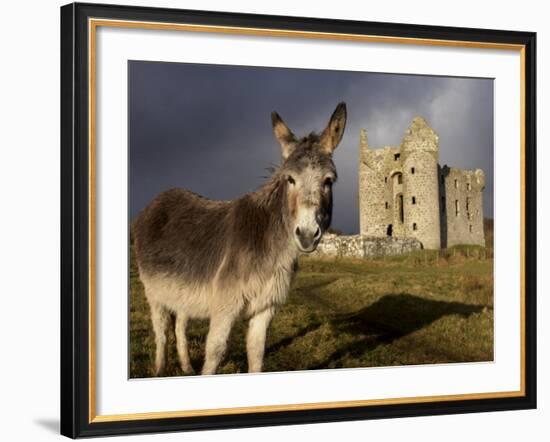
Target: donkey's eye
[{"x": 291, "y": 180}]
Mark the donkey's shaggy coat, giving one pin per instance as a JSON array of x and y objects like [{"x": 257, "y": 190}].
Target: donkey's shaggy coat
[{"x": 200, "y": 258}]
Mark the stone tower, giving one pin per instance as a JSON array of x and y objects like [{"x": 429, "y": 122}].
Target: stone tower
[
  {"x": 403, "y": 192},
  {"x": 420, "y": 151}
]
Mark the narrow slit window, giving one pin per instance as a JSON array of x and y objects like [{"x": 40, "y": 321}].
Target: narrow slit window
[
  {"x": 457, "y": 208},
  {"x": 387, "y": 205},
  {"x": 399, "y": 179},
  {"x": 386, "y": 179},
  {"x": 412, "y": 170},
  {"x": 415, "y": 227},
  {"x": 414, "y": 200},
  {"x": 397, "y": 156},
  {"x": 471, "y": 228},
  {"x": 456, "y": 184}
]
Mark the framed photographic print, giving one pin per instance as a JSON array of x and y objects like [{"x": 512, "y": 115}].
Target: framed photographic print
[{"x": 279, "y": 220}]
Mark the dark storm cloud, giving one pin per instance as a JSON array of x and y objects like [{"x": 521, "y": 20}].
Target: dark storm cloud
[{"x": 207, "y": 128}]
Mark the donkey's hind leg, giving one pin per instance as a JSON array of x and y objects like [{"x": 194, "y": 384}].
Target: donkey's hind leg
[
  {"x": 160, "y": 317},
  {"x": 181, "y": 339}
]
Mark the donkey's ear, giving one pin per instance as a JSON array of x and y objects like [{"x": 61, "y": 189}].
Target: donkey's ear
[
  {"x": 284, "y": 135},
  {"x": 332, "y": 135}
]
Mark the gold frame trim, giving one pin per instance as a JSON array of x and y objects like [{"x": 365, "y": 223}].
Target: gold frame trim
[{"x": 93, "y": 24}]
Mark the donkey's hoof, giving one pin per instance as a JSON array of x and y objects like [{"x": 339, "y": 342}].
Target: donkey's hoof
[
  {"x": 159, "y": 372},
  {"x": 188, "y": 370}
]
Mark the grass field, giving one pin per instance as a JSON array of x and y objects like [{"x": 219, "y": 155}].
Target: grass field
[{"x": 422, "y": 308}]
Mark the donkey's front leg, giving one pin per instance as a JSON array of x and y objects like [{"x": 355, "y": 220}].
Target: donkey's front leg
[
  {"x": 255, "y": 339},
  {"x": 181, "y": 343},
  {"x": 216, "y": 342}
]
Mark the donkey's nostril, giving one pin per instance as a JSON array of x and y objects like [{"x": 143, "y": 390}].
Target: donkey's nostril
[
  {"x": 317, "y": 233},
  {"x": 298, "y": 231}
]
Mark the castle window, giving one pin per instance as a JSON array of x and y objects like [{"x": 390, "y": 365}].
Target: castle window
[
  {"x": 467, "y": 204},
  {"x": 386, "y": 179},
  {"x": 456, "y": 184},
  {"x": 399, "y": 179},
  {"x": 415, "y": 227},
  {"x": 457, "y": 208},
  {"x": 412, "y": 170},
  {"x": 387, "y": 205},
  {"x": 414, "y": 200},
  {"x": 470, "y": 228},
  {"x": 397, "y": 156}
]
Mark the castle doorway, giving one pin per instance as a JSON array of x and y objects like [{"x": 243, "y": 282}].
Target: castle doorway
[{"x": 389, "y": 230}]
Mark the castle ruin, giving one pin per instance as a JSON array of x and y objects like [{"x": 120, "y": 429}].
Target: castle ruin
[{"x": 405, "y": 193}]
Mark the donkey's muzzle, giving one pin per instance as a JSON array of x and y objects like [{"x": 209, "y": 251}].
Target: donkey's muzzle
[{"x": 308, "y": 239}]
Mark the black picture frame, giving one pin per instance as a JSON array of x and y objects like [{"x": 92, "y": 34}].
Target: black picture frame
[{"x": 75, "y": 219}]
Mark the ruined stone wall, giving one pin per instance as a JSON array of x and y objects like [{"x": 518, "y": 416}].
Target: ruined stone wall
[
  {"x": 361, "y": 246},
  {"x": 462, "y": 192},
  {"x": 375, "y": 190}
]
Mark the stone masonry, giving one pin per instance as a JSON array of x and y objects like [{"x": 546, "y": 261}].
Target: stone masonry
[
  {"x": 360, "y": 246},
  {"x": 405, "y": 193}
]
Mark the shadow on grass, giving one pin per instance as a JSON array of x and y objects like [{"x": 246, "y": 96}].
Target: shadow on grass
[
  {"x": 275, "y": 347},
  {"x": 391, "y": 317}
]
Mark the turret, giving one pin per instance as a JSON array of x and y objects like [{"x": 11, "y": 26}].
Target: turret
[{"x": 420, "y": 156}]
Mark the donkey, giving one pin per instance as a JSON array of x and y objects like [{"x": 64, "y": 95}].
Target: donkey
[{"x": 220, "y": 260}]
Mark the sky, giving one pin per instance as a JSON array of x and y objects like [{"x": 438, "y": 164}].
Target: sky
[{"x": 207, "y": 128}]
